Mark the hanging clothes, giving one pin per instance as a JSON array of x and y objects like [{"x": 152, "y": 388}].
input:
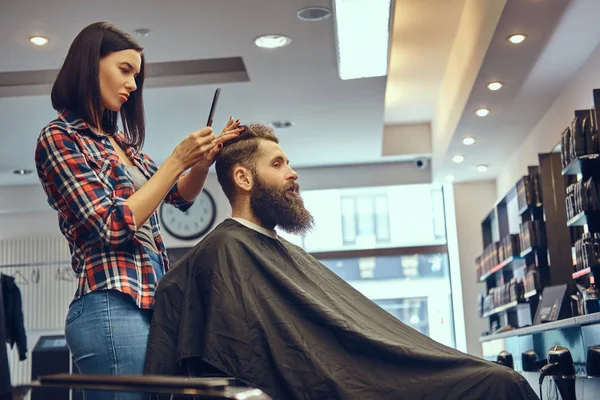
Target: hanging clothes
[{"x": 13, "y": 315}]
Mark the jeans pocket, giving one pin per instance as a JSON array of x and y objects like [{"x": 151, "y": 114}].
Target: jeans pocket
[{"x": 75, "y": 310}]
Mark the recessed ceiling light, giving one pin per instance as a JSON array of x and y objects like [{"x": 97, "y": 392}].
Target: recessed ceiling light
[
  {"x": 516, "y": 39},
  {"x": 22, "y": 171},
  {"x": 482, "y": 112},
  {"x": 494, "y": 86},
  {"x": 362, "y": 34},
  {"x": 38, "y": 40},
  {"x": 282, "y": 124},
  {"x": 449, "y": 178},
  {"x": 314, "y": 13},
  {"x": 468, "y": 140},
  {"x": 458, "y": 159},
  {"x": 272, "y": 41},
  {"x": 482, "y": 168},
  {"x": 142, "y": 32}
]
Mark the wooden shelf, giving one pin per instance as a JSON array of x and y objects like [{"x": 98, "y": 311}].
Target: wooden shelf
[
  {"x": 530, "y": 250},
  {"x": 498, "y": 267},
  {"x": 582, "y": 218},
  {"x": 501, "y": 309},
  {"x": 529, "y": 207},
  {"x": 526, "y": 252},
  {"x": 531, "y": 293},
  {"x": 584, "y": 272},
  {"x": 574, "y": 166}
]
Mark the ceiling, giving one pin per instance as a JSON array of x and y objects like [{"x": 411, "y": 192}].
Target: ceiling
[
  {"x": 335, "y": 122},
  {"x": 561, "y": 36},
  {"x": 422, "y": 37}
]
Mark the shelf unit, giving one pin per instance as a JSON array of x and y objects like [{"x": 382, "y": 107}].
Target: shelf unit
[
  {"x": 583, "y": 168},
  {"x": 544, "y": 208}
]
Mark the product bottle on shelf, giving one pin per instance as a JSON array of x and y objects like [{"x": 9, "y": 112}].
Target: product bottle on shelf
[
  {"x": 591, "y": 298},
  {"x": 588, "y": 250},
  {"x": 597, "y": 248}
]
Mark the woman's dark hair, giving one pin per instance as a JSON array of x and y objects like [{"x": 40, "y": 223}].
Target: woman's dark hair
[{"x": 77, "y": 86}]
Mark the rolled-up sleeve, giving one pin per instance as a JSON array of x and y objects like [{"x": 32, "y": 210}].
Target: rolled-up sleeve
[
  {"x": 71, "y": 183},
  {"x": 173, "y": 197}
]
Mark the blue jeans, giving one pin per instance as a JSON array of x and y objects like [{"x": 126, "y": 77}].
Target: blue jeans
[{"x": 107, "y": 333}]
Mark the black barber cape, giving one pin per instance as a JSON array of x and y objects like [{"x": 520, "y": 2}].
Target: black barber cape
[{"x": 264, "y": 311}]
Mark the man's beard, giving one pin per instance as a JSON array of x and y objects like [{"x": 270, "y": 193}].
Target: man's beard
[{"x": 282, "y": 207}]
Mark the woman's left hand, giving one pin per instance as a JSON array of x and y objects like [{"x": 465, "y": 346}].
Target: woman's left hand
[{"x": 232, "y": 130}]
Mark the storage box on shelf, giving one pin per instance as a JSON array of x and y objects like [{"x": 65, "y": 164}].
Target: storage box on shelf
[
  {"x": 580, "y": 158},
  {"x": 518, "y": 247}
]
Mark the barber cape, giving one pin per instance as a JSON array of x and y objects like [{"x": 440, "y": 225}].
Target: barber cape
[{"x": 264, "y": 311}]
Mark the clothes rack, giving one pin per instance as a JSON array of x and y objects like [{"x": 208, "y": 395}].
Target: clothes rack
[
  {"x": 5, "y": 381},
  {"x": 5, "y": 384}
]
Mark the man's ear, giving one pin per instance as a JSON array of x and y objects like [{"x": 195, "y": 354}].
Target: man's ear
[{"x": 242, "y": 178}]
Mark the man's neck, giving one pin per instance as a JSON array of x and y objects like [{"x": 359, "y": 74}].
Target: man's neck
[{"x": 247, "y": 214}]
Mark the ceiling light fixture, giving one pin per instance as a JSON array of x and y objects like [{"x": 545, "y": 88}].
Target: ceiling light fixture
[
  {"x": 468, "y": 140},
  {"x": 362, "y": 32},
  {"x": 315, "y": 13},
  {"x": 493, "y": 86},
  {"x": 482, "y": 112},
  {"x": 458, "y": 159},
  {"x": 22, "y": 171},
  {"x": 272, "y": 41},
  {"x": 482, "y": 168},
  {"x": 282, "y": 124},
  {"x": 38, "y": 40},
  {"x": 142, "y": 32},
  {"x": 516, "y": 39},
  {"x": 449, "y": 178}
]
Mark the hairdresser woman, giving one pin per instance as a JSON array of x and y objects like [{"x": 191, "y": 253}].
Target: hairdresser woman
[{"x": 106, "y": 192}]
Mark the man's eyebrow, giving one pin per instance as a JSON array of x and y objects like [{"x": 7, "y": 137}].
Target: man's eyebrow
[{"x": 280, "y": 158}]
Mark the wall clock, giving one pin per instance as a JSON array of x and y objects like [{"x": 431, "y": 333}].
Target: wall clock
[{"x": 193, "y": 223}]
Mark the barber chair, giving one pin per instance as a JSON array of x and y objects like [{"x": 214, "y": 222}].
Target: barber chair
[{"x": 172, "y": 387}]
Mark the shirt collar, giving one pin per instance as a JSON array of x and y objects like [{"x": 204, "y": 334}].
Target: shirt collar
[
  {"x": 250, "y": 225},
  {"x": 73, "y": 120},
  {"x": 80, "y": 125}
]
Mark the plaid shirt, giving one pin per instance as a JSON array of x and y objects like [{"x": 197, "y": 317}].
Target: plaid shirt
[{"x": 85, "y": 181}]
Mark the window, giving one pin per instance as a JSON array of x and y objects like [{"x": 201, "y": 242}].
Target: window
[
  {"x": 413, "y": 312},
  {"x": 365, "y": 219},
  {"x": 412, "y": 287},
  {"x": 379, "y": 217}
]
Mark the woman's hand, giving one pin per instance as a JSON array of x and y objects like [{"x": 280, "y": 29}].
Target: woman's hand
[
  {"x": 194, "y": 148},
  {"x": 231, "y": 131}
]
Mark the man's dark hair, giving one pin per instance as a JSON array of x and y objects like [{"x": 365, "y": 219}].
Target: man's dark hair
[
  {"x": 242, "y": 150},
  {"x": 77, "y": 86}
]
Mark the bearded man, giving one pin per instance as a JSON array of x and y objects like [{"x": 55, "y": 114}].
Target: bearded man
[{"x": 248, "y": 304}]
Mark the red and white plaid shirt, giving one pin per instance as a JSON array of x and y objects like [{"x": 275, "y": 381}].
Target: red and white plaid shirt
[{"x": 87, "y": 184}]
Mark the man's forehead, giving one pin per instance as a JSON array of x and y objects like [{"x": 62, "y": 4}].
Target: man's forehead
[{"x": 269, "y": 149}]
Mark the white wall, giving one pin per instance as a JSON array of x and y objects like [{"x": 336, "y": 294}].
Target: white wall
[
  {"x": 472, "y": 202},
  {"x": 546, "y": 134}
]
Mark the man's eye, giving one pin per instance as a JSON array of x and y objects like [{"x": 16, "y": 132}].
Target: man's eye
[{"x": 276, "y": 165}]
